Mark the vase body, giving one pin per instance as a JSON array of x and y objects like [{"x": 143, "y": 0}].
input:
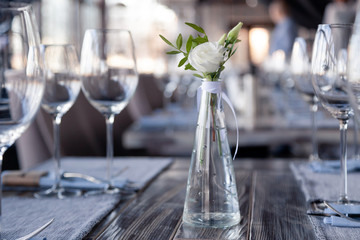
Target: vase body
[{"x": 211, "y": 195}]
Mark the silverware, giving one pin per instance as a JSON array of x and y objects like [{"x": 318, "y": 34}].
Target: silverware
[
  {"x": 73, "y": 175},
  {"x": 32, "y": 234},
  {"x": 322, "y": 214},
  {"x": 319, "y": 205},
  {"x": 128, "y": 188},
  {"x": 340, "y": 213}
]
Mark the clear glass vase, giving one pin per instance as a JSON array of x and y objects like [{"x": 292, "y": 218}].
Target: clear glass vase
[{"x": 211, "y": 195}]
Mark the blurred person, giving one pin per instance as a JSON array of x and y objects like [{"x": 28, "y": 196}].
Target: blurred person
[
  {"x": 285, "y": 31},
  {"x": 340, "y": 11}
]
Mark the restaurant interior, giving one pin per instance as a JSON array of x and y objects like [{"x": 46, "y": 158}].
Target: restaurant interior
[
  {"x": 270, "y": 102},
  {"x": 163, "y": 87}
]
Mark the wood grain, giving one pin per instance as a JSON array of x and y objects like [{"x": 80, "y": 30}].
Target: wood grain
[
  {"x": 279, "y": 208},
  {"x": 154, "y": 213},
  {"x": 271, "y": 204}
]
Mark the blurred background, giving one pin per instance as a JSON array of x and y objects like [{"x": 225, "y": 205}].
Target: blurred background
[{"x": 160, "y": 119}]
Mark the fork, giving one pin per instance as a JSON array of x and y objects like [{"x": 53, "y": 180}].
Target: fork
[
  {"x": 37, "y": 231},
  {"x": 340, "y": 213}
]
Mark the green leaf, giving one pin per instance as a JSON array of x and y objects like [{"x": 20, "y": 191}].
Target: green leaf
[
  {"x": 232, "y": 46},
  {"x": 189, "y": 67},
  {"x": 200, "y": 40},
  {"x": 198, "y": 75},
  {"x": 233, "y": 52},
  {"x": 173, "y": 52},
  {"x": 179, "y": 41},
  {"x": 189, "y": 43},
  {"x": 167, "y": 41},
  {"x": 196, "y": 27},
  {"x": 182, "y": 61}
]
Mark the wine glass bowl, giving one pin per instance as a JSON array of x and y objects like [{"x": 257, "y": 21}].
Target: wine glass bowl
[
  {"x": 62, "y": 86},
  {"x": 62, "y": 83},
  {"x": 329, "y": 69},
  {"x": 353, "y": 69},
  {"x": 329, "y": 63},
  {"x": 109, "y": 79},
  {"x": 301, "y": 73},
  {"x": 21, "y": 72},
  {"x": 110, "y": 92},
  {"x": 301, "y": 69}
]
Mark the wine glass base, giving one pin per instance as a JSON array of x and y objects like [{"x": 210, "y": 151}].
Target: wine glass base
[
  {"x": 108, "y": 190},
  {"x": 58, "y": 192},
  {"x": 345, "y": 201},
  {"x": 314, "y": 158}
]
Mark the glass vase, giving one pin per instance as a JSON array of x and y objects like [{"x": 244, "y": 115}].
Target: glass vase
[{"x": 211, "y": 195}]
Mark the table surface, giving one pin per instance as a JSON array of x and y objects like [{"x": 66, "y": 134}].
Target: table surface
[{"x": 271, "y": 203}]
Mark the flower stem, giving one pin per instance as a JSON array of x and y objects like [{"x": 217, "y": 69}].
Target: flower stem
[{"x": 213, "y": 105}]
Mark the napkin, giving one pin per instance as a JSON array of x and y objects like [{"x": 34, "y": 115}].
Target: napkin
[
  {"x": 75, "y": 217},
  {"x": 340, "y": 221},
  {"x": 32, "y": 180},
  {"x": 333, "y": 166}
]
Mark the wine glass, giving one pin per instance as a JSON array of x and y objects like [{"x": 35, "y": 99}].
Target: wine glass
[
  {"x": 353, "y": 72},
  {"x": 62, "y": 86},
  {"x": 21, "y": 73},
  {"x": 329, "y": 62},
  {"x": 301, "y": 73},
  {"x": 109, "y": 79}
]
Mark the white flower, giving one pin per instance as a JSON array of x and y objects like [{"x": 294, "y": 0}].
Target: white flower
[{"x": 207, "y": 57}]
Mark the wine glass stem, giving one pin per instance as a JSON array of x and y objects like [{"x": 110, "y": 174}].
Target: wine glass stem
[
  {"x": 315, "y": 154},
  {"x": 356, "y": 141},
  {"x": 56, "y": 129},
  {"x": 1, "y": 160},
  {"x": 343, "y": 155},
  {"x": 2, "y": 151},
  {"x": 109, "y": 144}
]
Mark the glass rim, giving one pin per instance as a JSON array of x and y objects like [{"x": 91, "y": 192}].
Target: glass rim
[{"x": 14, "y": 6}]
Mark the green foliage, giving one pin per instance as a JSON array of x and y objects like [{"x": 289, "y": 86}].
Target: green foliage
[
  {"x": 192, "y": 42},
  {"x": 197, "y": 28},
  {"x": 179, "y": 41}
]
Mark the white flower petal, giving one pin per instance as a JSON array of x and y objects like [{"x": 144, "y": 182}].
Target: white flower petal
[{"x": 207, "y": 57}]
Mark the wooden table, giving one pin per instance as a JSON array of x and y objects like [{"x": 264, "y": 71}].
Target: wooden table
[{"x": 271, "y": 203}]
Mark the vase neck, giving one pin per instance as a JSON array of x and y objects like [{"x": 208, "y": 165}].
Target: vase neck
[{"x": 211, "y": 87}]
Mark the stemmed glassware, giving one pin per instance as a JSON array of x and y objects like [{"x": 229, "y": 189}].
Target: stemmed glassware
[
  {"x": 329, "y": 63},
  {"x": 62, "y": 86},
  {"x": 353, "y": 71},
  {"x": 301, "y": 73},
  {"x": 109, "y": 79},
  {"x": 21, "y": 73}
]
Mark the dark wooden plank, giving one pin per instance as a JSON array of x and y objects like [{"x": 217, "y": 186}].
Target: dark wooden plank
[
  {"x": 243, "y": 181},
  {"x": 154, "y": 213},
  {"x": 126, "y": 200},
  {"x": 279, "y": 208}
]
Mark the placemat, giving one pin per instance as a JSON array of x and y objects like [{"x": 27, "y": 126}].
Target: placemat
[
  {"x": 326, "y": 186},
  {"x": 74, "y": 217}
]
